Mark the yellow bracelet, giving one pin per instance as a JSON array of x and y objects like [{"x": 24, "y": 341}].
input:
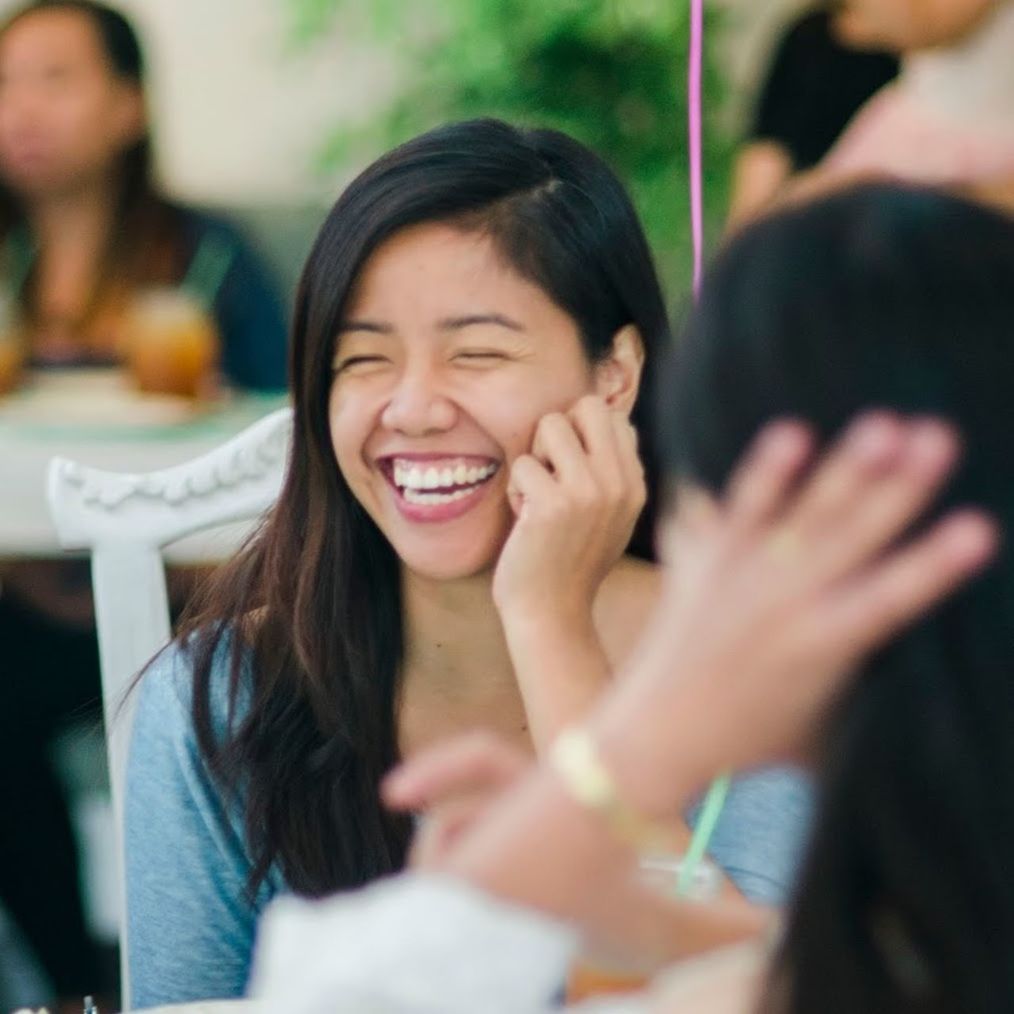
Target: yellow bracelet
[{"x": 575, "y": 758}]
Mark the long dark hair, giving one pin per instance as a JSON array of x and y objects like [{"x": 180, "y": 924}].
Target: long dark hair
[
  {"x": 310, "y": 614},
  {"x": 146, "y": 243},
  {"x": 900, "y": 299}
]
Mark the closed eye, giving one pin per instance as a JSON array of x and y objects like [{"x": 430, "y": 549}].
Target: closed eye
[
  {"x": 480, "y": 355},
  {"x": 352, "y": 362}
]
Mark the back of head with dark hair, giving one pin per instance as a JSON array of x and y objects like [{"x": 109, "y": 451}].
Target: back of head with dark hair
[
  {"x": 320, "y": 730},
  {"x": 898, "y": 299}
]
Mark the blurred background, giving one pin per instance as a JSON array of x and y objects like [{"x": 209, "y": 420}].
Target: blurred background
[{"x": 262, "y": 109}]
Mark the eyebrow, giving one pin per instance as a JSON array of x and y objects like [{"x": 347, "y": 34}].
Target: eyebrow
[
  {"x": 364, "y": 325},
  {"x": 447, "y": 324},
  {"x": 499, "y": 319}
]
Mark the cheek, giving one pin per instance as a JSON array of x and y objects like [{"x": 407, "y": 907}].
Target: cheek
[
  {"x": 350, "y": 428},
  {"x": 509, "y": 408}
]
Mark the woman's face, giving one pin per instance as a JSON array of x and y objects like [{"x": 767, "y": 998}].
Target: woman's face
[
  {"x": 65, "y": 117},
  {"x": 906, "y": 25},
  {"x": 444, "y": 365}
]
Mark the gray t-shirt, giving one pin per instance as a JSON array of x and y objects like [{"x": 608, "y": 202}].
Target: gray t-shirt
[{"x": 190, "y": 925}]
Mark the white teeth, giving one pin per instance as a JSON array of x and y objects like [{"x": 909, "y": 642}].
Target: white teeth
[
  {"x": 432, "y": 499},
  {"x": 411, "y": 476}
]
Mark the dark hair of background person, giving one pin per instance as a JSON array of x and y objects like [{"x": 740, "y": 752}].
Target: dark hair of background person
[
  {"x": 316, "y": 673},
  {"x": 899, "y": 299},
  {"x": 147, "y": 242}
]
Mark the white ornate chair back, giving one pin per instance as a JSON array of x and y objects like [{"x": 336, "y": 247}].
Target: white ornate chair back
[{"x": 124, "y": 521}]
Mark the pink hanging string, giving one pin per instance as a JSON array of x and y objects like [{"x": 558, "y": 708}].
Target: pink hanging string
[{"x": 695, "y": 128}]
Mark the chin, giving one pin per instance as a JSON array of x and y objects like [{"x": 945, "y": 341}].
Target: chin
[{"x": 448, "y": 563}]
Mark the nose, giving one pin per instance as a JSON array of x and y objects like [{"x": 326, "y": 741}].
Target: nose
[{"x": 417, "y": 406}]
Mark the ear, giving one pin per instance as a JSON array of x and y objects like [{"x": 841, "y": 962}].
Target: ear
[{"x": 618, "y": 376}]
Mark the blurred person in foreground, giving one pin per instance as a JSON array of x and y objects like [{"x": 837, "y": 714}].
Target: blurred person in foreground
[
  {"x": 84, "y": 232},
  {"x": 839, "y": 588},
  {"x": 815, "y": 84}
]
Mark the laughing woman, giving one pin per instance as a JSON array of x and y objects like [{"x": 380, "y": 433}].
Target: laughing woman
[{"x": 459, "y": 543}]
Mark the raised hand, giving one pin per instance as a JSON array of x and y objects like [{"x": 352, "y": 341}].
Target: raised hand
[
  {"x": 451, "y": 785},
  {"x": 778, "y": 590}
]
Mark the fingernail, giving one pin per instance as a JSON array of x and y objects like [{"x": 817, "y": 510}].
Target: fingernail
[
  {"x": 973, "y": 537},
  {"x": 931, "y": 439},
  {"x": 873, "y": 434},
  {"x": 783, "y": 436}
]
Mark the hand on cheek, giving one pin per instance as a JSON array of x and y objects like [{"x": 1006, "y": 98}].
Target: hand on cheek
[{"x": 576, "y": 497}]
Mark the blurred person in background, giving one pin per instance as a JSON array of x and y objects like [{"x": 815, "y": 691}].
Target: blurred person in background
[
  {"x": 819, "y": 78},
  {"x": 948, "y": 119},
  {"x": 83, "y": 230}
]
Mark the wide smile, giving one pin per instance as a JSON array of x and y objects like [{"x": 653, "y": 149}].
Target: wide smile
[{"x": 438, "y": 488}]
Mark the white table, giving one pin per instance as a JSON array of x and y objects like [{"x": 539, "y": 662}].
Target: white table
[{"x": 93, "y": 417}]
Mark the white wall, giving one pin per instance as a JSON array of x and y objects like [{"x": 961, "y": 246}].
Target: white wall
[{"x": 239, "y": 114}]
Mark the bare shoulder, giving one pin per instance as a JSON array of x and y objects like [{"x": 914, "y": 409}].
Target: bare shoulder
[{"x": 624, "y": 604}]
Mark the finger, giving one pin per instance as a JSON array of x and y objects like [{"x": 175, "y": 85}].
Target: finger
[
  {"x": 593, "y": 422},
  {"x": 630, "y": 465},
  {"x": 530, "y": 484},
  {"x": 889, "y": 504},
  {"x": 557, "y": 445},
  {"x": 912, "y": 580},
  {"x": 697, "y": 510},
  {"x": 475, "y": 761},
  {"x": 870, "y": 447},
  {"x": 610, "y": 443},
  {"x": 437, "y": 832},
  {"x": 762, "y": 481}
]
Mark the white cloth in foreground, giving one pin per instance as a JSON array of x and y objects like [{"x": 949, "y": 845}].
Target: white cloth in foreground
[
  {"x": 412, "y": 943},
  {"x": 427, "y": 944}
]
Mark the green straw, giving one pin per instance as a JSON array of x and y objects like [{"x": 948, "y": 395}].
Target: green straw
[
  {"x": 210, "y": 265},
  {"x": 711, "y": 811}
]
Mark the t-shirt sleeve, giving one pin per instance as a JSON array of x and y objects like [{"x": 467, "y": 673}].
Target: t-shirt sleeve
[
  {"x": 762, "y": 832},
  {"x": 777, "y": 112},
  {"x": 190, "y": 926}
]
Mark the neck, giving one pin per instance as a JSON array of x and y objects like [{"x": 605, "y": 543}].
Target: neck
[
  {"x": 973, "y": 78},
  {"x": 76, "y": 216},
  {"x": 454, "y": 638}
]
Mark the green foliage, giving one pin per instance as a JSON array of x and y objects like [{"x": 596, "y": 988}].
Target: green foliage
[{"x": 610, "y": 72}]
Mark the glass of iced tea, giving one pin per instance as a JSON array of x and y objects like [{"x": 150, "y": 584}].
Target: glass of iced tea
[
  {"x": 595, "y": 973},
  {"x": 172, "y": 344},
  {"x": 12, "y": 345}
]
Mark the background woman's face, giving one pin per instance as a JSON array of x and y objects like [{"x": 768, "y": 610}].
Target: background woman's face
[
  {"x": 445, "y": 362},
  {"x": 905, "y": 25},
  {"x": 64, "y": 115}
]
